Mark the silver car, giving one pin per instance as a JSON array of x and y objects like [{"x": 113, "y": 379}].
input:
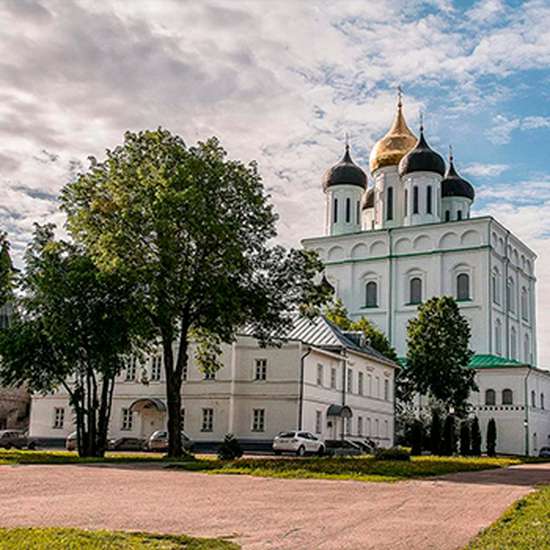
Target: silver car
[
  {"x": 16, "y": 439},
  {"x": 158, "y": 441},
  {"x": 299, "y": 443}
]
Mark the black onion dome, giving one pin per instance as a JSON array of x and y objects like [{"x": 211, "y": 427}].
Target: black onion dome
[
  {"x": 422, "y": 158},
  {"x": 368, "y": 199},
  {"x": 452, "y": 185},
  {"x": 346, "y": 172}
]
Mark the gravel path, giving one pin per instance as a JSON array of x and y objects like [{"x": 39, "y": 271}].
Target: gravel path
[{"x": 263, "y": 513}]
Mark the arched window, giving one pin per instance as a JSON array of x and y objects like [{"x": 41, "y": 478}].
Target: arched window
[
  {"x": 371, "y": 294},
  {"x": 447, "y": 215},
  {"x": 389, "y": 204},
  {"x": 526, "y": 349},
  {"x": 533, "y": 399},
  {"x": 429, "y": 199},
  {"x": 459, "y": 215},
  {"x": 495, "y": 283},
  {"x": 513, "y": 344},
  {"x": 463, "y": 286},
  {"x": 524, "y": 304},
  {"x": 335, "y": 211},
  {"x": 348, "y": 210},
  {"x": 406, "y": 202},
  {"x": 511, "y": 295},
  {"x": 490, "y": 397},
  {"x": 415, "y": 199},
  {"x": 507, "y": 397},
  {"x": 498, "y": 337},
  {"x": 542, "y": 400},
  {"x": 415, "y": 290},
  {"x": 358, "y": 212}
]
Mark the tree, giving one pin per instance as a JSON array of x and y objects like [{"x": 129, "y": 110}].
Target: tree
[
  {"x": 449, "y": 436},
  {"x": 192, "y": 229},
  {"x": 465, "y": 449},
  {"x": 476, "y": 437},
  {"x": 491, "y": 437},
  {"x": 417, "y": 433},
  {"x": 438, "y": 353},
  {"x": 74, "y": 327},
  {"x": 7, "y": 271},
  {"x": 435, "y": 433}
]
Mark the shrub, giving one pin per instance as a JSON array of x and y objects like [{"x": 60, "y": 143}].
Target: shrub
[
  {"x": 393, "y": 453},
  {"x": 435, "y": 433},
  {"x": 476, "y": 437},
  {"x": 416, "y": 437},
  {"x": 230, "y": 448},
  {"x": 465, "y": 449},
  {"x": 491, "y": 437},
  {"x": 449, "y": 436}
]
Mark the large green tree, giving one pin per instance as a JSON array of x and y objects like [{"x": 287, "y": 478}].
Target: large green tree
[
  {"x": 438, "y": 353},
  {"x": 74, "y": 327},
  {"x": 7, "y": 271},
  {"x": 193, "y": 229}
]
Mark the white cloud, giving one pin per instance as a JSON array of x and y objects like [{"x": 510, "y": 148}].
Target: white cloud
[{"x": 485, "y": 170}]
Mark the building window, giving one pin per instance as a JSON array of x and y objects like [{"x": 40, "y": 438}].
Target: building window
[
  {"x": 358, "y": 212},
  {"x": 335, "y": 211},
  {"x": 371, "y": 294},
  {"x": 333, "y": 378},
  {"x": 184, "y": 372},
  {"x": 127, "y": 420},
  {"x": 258, "y": 420},
  {"x": 209, "y": 374},
  {"x": 318, "y": 422},
  {"x": 513, "y": 344},
  {"x": 377, "y": 387},
  {"x": 498, "y": 337},
  {"x": 406, "y": 202},
  {"x": 542, "y": 400},
  {"x": 507, "y": 397},
  {"x": 415, "y": 290},
  {"x": 459, "y": 215},
  {"x": 320, "y": 375},
  {"x": 182, "y": 420},
  {"x": 496, "y": 286},
  {"x": 389, "y": 205},
  {"x": 533, "y": 399},
  {"x": 360, "y": 425},
  {"x": 360, "y": 384},
  {"x": 429, "y": 199},
  {"x": 490, "y": 397},
  {"x": 463, "y": 286},
  {"x": 58, "y": 418},
  {"x": 386, "y": 428},
  {"x": 377, "y": 428},
  {"x": 350, "y": 380},
  {"x": 387, "y": 390},
  {"x": 510, "y": 295},
  {"x": 131, "y": 369},
  {"x": 348, "y": 426},
  {"x": 369, "y": 427},
  {"x": 447, "y": 215},
  {"x": 156, "y": 368},
  {"x": 524, "y": 304},
  {"x": 207, "y": 420},
  {"x": 260, "y": 370},
  {"x": 415, "y": 199},
  {"x": 369, "y": 382},
  {"x": 526, "y": 349},
  {"x": 348, "y": 210}
]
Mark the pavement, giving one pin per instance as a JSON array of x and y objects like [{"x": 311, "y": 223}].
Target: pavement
[{"x": 262, "y": 513}]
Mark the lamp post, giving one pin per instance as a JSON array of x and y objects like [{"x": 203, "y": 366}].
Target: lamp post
[{"x": 526, "y": 427}]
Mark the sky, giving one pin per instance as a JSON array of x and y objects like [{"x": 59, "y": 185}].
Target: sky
[{"x": 281, "y": 82}]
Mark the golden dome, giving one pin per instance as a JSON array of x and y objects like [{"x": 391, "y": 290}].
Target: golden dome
[{"x": 394, "y": 145}]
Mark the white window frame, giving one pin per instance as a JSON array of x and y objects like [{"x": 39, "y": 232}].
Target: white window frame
[
  {"x": 258, "y": 420},
  {"x": 318, "y": 422},
  {"x": 333, "y": 378},
  {"x": 361, "y": 383},
  {"x": 131, "y": 369},
  {"x": 260, "y": 369},
  {"x": 320, "y": 375},
  {"x": 349, "y": 380},
  {"x": 207, "y": 424},
  {"x": 58, "y": 418},
  {"x": 126, "y": 420},
  {"x": 156, "y": 368}
]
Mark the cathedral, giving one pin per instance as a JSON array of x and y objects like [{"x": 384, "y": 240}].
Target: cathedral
[{"x": 407, "y": 233}]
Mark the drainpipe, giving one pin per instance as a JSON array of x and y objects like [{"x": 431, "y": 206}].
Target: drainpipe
[
  {"x": 301, "y": 399},
  {"x": 507, "y": 301},
  {"x": 526, "y": 421}
]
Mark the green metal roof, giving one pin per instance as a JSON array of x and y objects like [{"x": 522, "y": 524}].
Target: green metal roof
[{"x": 485, "y": 361}]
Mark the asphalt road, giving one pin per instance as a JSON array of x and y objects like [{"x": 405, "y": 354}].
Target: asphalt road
[{"x": 260, "y": 513}]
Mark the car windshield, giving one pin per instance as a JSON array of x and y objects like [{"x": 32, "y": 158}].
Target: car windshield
[{"x": 286, "y": 434}]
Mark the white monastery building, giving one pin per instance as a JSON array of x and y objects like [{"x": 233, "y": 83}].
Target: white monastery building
[
  {"x": 321, "y": 380},
  {"x": 410, "y": 236}
]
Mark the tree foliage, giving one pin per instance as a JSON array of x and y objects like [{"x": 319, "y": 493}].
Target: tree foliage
[
  {"x": 193, "y": 230},
  {"x": 417, "y": 435},
  {"x": 448, "y": 447},
  {"x": 475, "y": 437},
  {"x": 73, "y": 328},
  {"x": 438, "y": 353},
  {"x": 435, "y": 433},
  {"x": 492, "y": 438},
  {"x": 7, "y": 271}
]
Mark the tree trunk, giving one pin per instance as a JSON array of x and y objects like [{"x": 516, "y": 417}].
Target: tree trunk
[{"x": 173, "y": 399}]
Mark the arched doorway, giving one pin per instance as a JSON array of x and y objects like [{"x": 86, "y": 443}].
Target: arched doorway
[
  {"x": 152, "y": 415},
  {"x": 337, "y": 416}
]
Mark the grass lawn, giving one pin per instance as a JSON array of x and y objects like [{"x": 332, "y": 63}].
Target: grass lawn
[
  {"x": 358, "y": 468},
  {"x": 525, "y": 526},
  {"x": 79, "y": 539}
]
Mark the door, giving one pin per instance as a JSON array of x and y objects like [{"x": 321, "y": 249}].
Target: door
[{"x": 151, "y": 421}]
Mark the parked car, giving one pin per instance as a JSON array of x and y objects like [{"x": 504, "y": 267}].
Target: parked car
[
  {"x": 300, "y": 443},
  {"x": 544, "y": 452},
  {"x": 158, "y": 441},
  {"x": 16, "y": 439},
  {"x": 127, "y": 444},
  {"x": 344, "y": 447}
]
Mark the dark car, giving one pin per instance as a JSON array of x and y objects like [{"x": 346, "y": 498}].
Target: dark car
[
  {"x": 544, "y": 452},
  {"x": 127, "y": 444},
  {"x": 343, "y": 447},
  {"x": 16, "y": 439}
]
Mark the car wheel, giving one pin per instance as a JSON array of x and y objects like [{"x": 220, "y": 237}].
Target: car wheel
[
  {"x": 278, "y": 453},
  {"x": 31, "y": 446},
  {"x": 301, "y": 451},
  {"x": 321, "y": 451},
  {"x": 7, "y": 447}
]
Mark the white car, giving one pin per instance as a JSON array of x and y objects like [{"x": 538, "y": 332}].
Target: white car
[{"x": 299, "y": 443}]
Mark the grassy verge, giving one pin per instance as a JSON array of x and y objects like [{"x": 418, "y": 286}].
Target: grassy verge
[
  {"x": 525, "y": 526},
  {"x": 78, "y": 539},
  {"x": 357, "y": 468}
]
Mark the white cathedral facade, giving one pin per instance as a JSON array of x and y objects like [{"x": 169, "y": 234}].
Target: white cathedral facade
[{"x": 409, "y": 236}]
